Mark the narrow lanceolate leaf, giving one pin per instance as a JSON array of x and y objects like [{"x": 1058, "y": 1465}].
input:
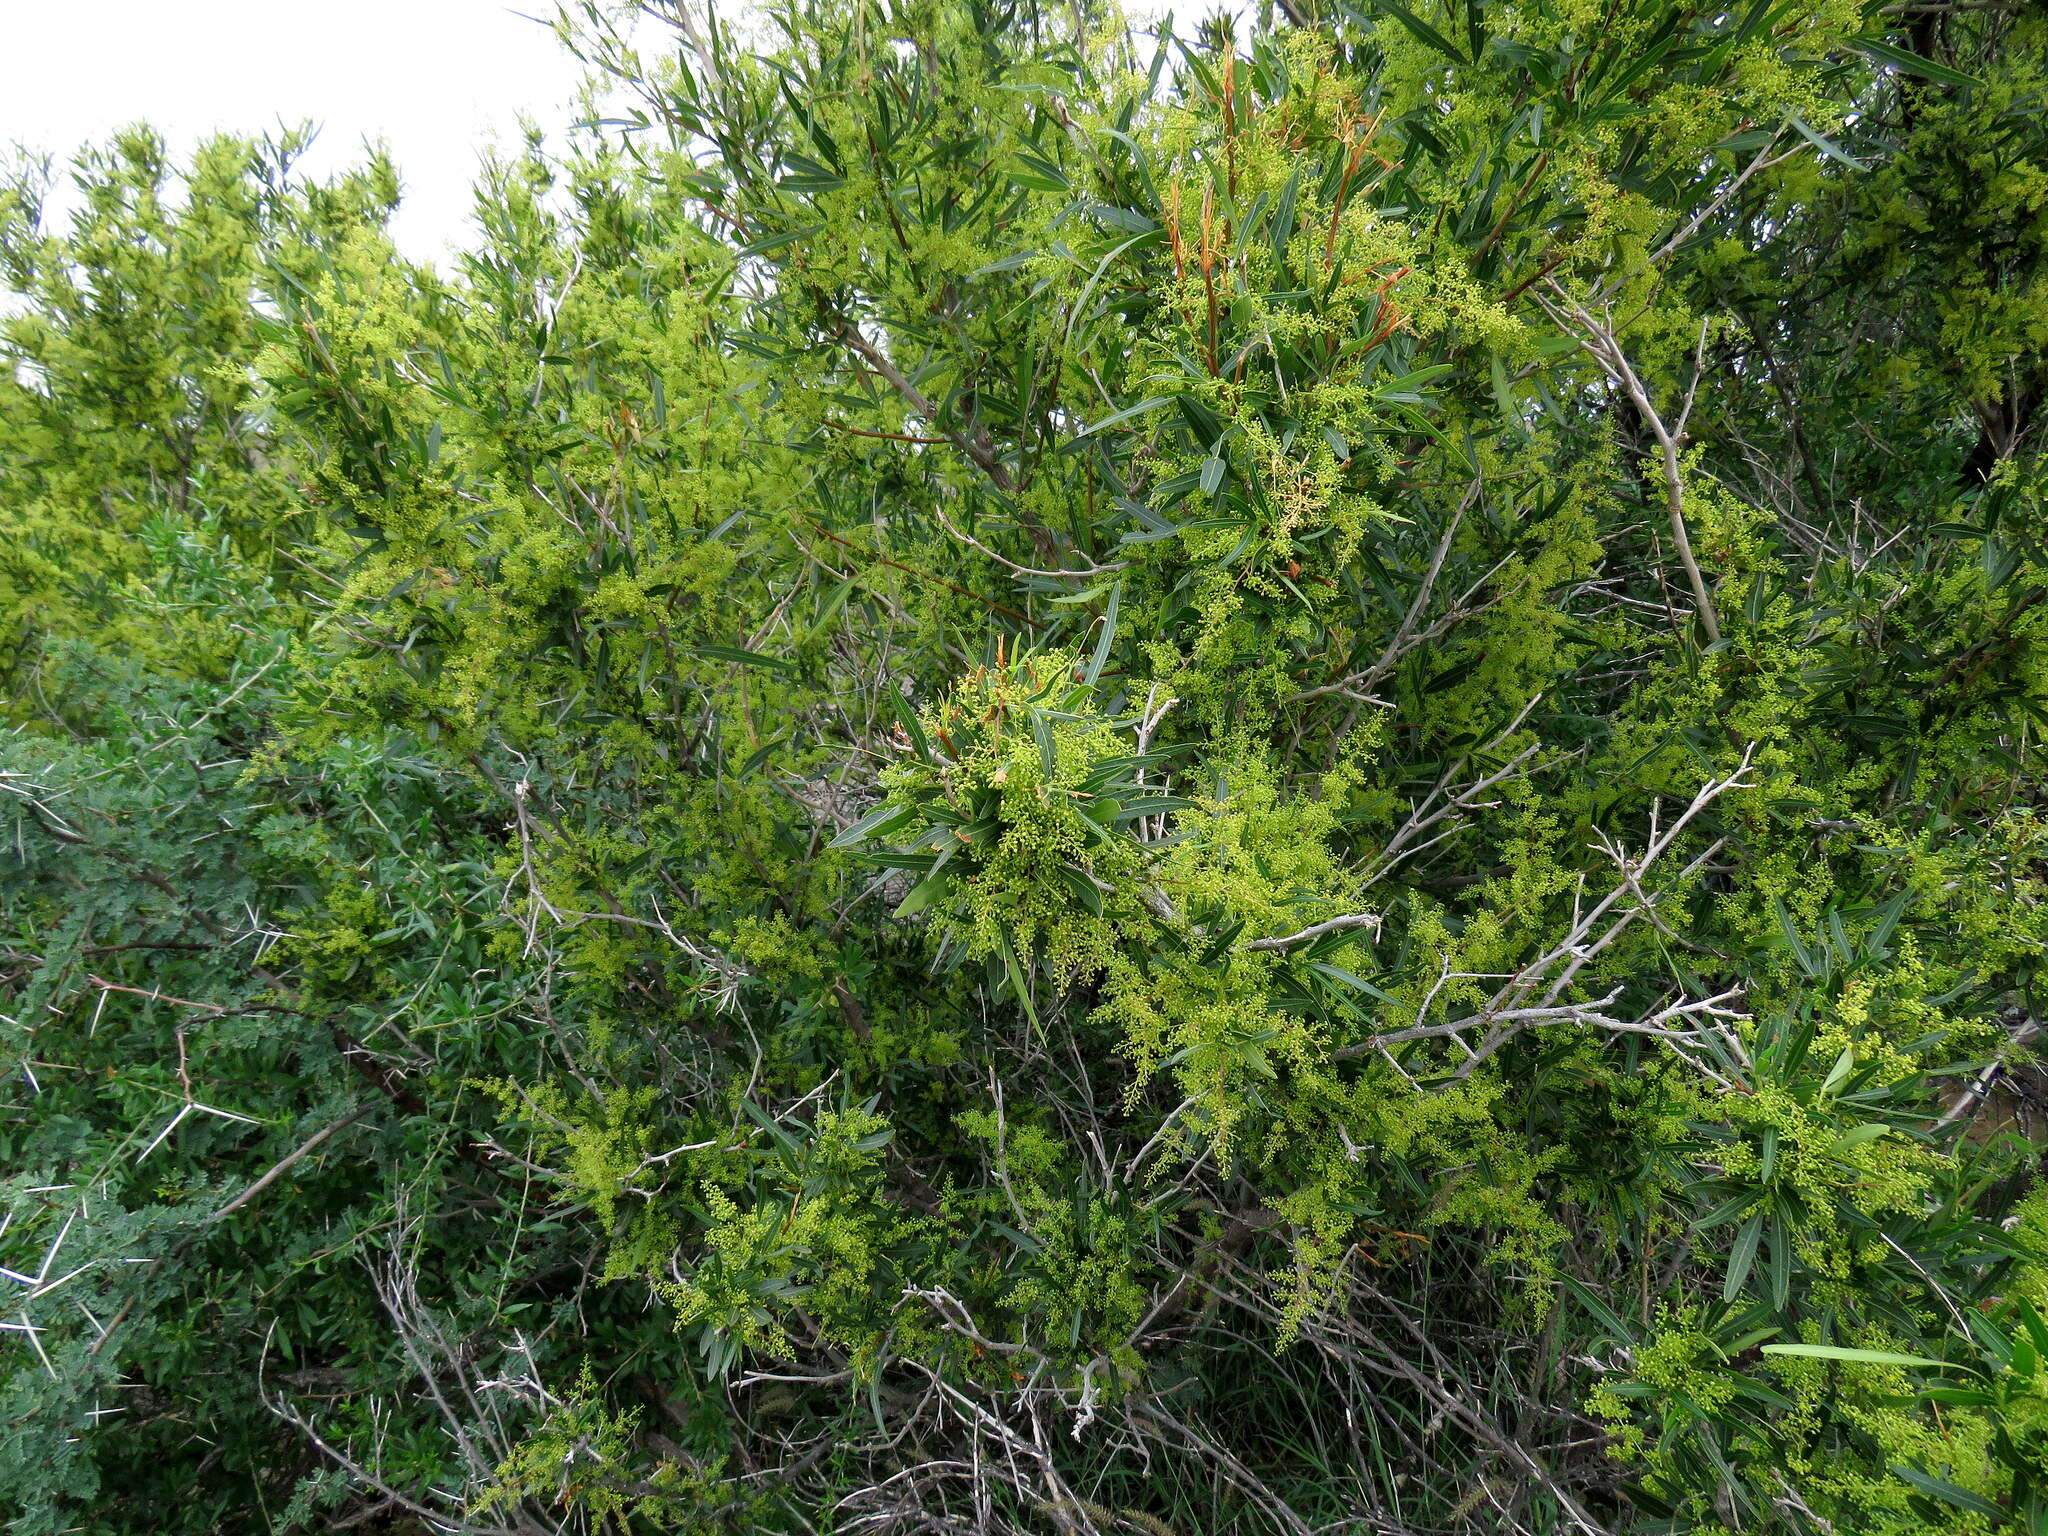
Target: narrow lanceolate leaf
[
  {"x": 1857, "y": 1356},
  {"x": 1941, "y": 1488},
  {"x": 1827, "y": 146},
  {"x": 1741, "y": 1255},
  {"x": 744, "y": 657},
  {"x": 1106, "y": 638},
  {"x": 1420, "y": 28},
  {"x": 874, "y": 824},
  {"x": 1128, "y": 413},
  {"x": 1913, "y": 63},
  {"x": 1151, "y": 805}
]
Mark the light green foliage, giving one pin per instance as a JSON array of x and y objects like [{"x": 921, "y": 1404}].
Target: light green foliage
[
  {"x": 1023, "y": 776},
  {"x": 126, "y": 385}
]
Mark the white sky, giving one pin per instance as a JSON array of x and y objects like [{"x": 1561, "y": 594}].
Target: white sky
[{"x": 435, "y": 80}]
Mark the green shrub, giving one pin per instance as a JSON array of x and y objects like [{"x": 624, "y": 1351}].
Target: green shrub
[{"x": 1016, "y": 776}]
